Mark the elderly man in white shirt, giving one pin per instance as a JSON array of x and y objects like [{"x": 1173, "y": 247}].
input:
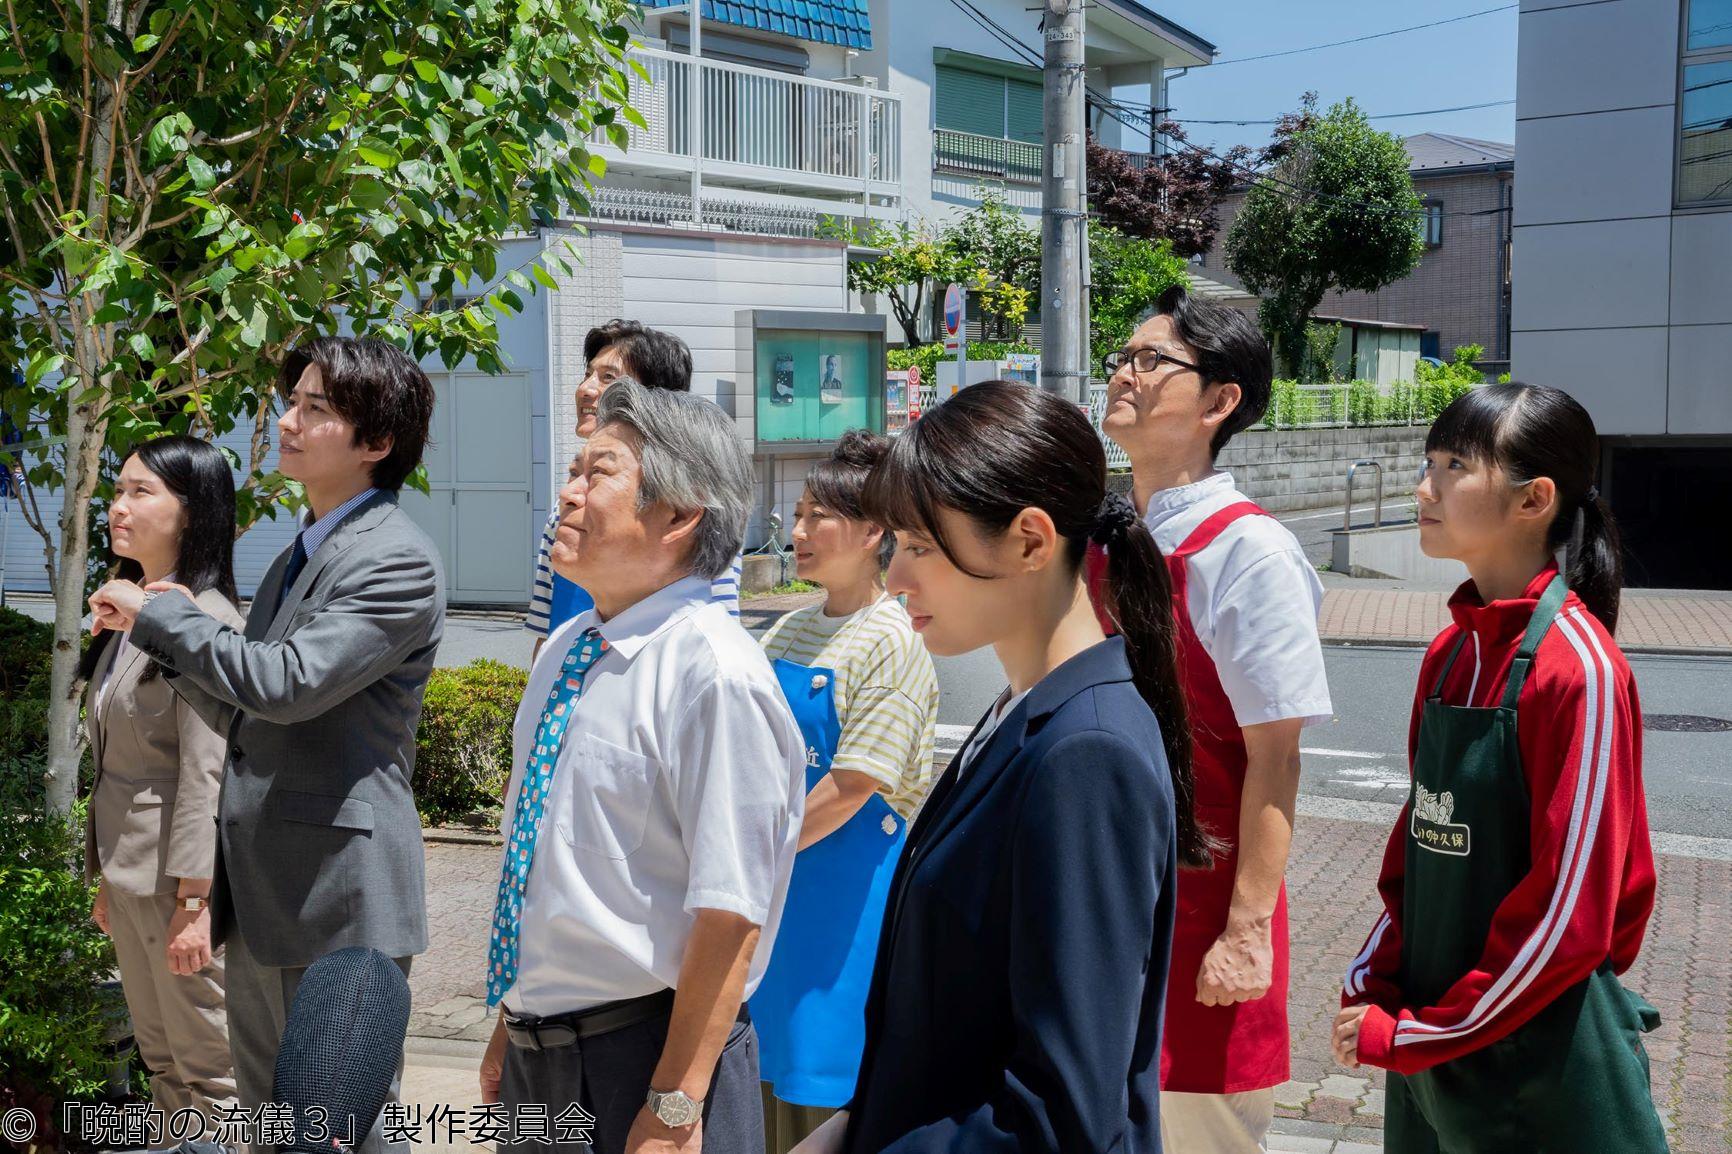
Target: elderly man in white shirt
[
  {"x": 1246, "y": 602},
  {"x": 653, "y": 813}
]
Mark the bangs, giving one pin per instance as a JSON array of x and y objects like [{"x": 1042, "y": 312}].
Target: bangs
[
  {"x": 1472, "y": 426},
  {"x": 838, "y": 487},
  {"x": 906, "y": 491}
]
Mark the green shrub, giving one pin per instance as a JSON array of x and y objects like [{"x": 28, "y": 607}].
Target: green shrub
[
  {"x": 1364, "y": 403},
  {"x": 463, "y": 748},
  {"x": 26, "y": 648},
  {"x": 928, "y": 356},
  {"x": 54, "y": 1014},
  {"x": 924, "y": 356}
]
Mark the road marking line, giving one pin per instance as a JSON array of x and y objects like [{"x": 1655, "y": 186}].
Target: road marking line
[
  {"x": 1342, "y": 753},
  {"x": 1317, "y": 516}
]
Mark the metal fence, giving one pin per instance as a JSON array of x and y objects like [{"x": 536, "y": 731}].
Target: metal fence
[
  {"x": 1116, "y": 458},
  {"x": 1319, "y": 406}
]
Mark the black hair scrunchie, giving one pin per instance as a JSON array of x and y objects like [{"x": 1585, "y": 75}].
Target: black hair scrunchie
[{"x": 1113, "y": 519}]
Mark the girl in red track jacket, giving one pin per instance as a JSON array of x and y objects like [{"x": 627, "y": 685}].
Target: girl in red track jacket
[{"x": 1519, "y": 879}]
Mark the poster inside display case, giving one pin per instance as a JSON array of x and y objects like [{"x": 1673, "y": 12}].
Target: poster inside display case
[{"x": 814, "y": 376}]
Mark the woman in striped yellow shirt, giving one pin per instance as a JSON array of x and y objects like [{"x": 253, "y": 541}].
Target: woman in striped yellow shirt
[{"x": 863, "y": 688}]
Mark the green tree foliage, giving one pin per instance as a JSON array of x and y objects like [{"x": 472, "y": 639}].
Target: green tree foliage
[
  {"x": 1337, "y": 210},
  {"x": 908, "y": 262},
  {"x": 1128, "y": 275},
  {"x": 189, "y": 187},
  {"x": 996, "y": 253}
]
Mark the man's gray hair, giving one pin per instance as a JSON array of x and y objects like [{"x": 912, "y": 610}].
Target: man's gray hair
[{"x": 690, "y": 458}]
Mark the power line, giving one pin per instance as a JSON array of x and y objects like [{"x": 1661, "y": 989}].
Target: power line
[
  {"x": 1143, "y": 121},
  {"x": 1379, "y": 116},
  {"x": 1363, "y": 39}
]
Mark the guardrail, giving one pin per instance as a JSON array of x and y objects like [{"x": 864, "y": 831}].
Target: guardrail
[{"x": 985, "y": 156}]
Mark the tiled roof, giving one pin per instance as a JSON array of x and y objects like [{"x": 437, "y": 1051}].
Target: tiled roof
[
  {"x": 841, "y": 22},
  {"x": 1431, "y": 150}
]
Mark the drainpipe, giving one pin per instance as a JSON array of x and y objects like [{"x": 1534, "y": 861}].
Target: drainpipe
[{"x": 1504, "y": 288}]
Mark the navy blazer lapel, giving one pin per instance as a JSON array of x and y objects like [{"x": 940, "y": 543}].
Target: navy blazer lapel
[
  {"x": 977, "y": 776},
  {"x": 1100, "y": 664}
]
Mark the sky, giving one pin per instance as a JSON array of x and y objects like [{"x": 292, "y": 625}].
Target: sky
[{"x": 1468, "y": 62}]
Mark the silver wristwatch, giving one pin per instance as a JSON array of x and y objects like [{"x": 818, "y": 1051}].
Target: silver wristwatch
[{"x": 675, "y": 1109}]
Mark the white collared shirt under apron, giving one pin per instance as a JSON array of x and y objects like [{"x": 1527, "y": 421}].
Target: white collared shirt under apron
[
  {"x": 680, "y": 786},
  {"x": 1253, "y": 599}
]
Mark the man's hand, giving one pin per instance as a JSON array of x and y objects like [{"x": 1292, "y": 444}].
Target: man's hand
[
  {"x": 165, "y": 586},
  {"x": 115, "y": 606},
  {"x": 649, "y": 1136},
  {"x": 1239, "y": 967},
  {"x": 826, "y": 1139},
  {"x": 493, "y": 1061},
  {"x": 1346, "y": 1038},
  {"x": 99, "y": 907},
  {"x": 189, "y": 949}
]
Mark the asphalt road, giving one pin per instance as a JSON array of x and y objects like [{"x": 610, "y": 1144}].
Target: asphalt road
[{"x": 1361, "y": 754}]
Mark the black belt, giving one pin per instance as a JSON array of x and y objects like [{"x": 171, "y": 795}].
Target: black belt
[{"x": 528, "y": 1032}]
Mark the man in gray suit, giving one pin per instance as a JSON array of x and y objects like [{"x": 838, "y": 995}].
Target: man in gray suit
[{"x": 320, "y": 695}]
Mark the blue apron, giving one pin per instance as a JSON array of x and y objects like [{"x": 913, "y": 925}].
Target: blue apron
[{"x": 810, "y": 1008}]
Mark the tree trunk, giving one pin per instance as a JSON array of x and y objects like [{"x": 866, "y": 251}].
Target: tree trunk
[
  {"x": 85, "y": 428},
  {"x": 87, "y": 402}
]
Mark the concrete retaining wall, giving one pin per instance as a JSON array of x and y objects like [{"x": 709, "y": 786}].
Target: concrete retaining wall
[
  {"x": 1392, "y": 551},
  {"x": 1286, "y": 469}
]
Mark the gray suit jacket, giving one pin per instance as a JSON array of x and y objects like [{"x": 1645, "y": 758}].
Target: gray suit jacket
[
  {"x": 319, "y": 842},
  {"x": 158, "y": 769}
]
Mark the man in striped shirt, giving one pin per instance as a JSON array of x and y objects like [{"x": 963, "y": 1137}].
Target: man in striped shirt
[{"x": 612, "y": 352}]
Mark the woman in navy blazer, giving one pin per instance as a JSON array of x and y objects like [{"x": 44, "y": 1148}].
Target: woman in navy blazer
[{"x": 1017, "y": 999}]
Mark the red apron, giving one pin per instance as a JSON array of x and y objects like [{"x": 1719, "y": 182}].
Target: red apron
[{"x": 1213, "y": 1049}]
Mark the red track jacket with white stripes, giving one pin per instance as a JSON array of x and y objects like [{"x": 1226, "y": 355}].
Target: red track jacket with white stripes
[{"x": 1590, "y": 890}]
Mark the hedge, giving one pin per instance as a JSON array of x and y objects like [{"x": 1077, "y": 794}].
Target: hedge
[
  {"x": 463, "y": 755},
  {"x": 1292, "y": 406},
  {"x": 928, "y": 356}
]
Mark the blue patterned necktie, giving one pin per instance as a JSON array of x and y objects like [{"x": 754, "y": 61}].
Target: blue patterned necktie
[{"x": 502, "y": 954}]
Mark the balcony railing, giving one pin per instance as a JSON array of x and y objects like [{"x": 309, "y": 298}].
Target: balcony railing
[
  {"x": 787, "y": 126},
  {"x": 985, "y": 156}
]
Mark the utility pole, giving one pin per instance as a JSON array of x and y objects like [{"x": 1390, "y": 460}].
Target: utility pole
[{"x": 1063, "y": 363}]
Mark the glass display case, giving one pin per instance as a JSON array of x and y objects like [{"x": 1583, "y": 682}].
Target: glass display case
[{"x": 813, "y": 376}]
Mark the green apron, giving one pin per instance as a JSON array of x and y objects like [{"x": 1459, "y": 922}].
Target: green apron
[{"x": 1574, "y": 1078}]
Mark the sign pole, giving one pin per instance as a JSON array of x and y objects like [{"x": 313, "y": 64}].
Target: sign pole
[{"x": 962, "y": 345}]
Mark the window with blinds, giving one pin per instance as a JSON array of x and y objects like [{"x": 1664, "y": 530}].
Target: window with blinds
[{"x": 994, "y": 106}]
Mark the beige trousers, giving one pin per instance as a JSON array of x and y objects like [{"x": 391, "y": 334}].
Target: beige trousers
[
  {"x": 179, "y": 1023},
  {"x": 787, "y": 1125},
  {"x": 1216, "y": 1123}
]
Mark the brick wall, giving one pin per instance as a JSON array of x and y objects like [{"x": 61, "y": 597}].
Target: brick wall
[{"x": 1455, "y": 289}]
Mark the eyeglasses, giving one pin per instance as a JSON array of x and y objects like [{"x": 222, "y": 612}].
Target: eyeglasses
[{"x": 1144, "y": 361}]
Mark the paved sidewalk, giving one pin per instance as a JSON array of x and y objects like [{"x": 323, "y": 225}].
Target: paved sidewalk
[
  {"x": 1390, "y": 613},
  {"x": 1685, "y": 970}
]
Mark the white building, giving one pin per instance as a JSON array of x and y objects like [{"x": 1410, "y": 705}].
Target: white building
[
  {"x": 1623, "y": 242},
  {"x": 847, "y": 109}
]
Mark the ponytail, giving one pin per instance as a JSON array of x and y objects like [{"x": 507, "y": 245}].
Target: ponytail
[
  {"x": 1138, "y": 599},
  {"x": 1596, "y": 567}
]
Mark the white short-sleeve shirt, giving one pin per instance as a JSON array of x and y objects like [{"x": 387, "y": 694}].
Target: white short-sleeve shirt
[
  {"x": 680, "y": 785},
  {"x": 1253, "y": 600}
]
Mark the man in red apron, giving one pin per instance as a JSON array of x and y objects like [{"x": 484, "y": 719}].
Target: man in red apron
[{"x": 1245, "y": 601}]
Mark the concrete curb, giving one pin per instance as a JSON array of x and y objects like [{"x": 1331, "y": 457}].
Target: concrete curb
[{"x": 446, "y": 835}]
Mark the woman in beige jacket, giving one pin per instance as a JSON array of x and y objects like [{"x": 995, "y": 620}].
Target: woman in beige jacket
[{"x": 152, "y": 833}]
